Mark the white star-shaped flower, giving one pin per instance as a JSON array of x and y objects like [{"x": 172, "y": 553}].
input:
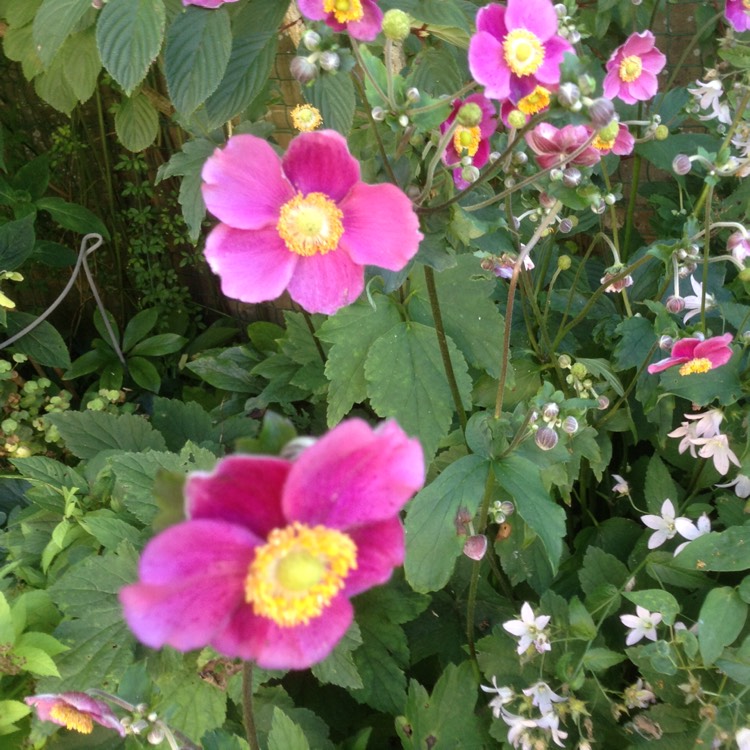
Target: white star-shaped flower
[
  {"x": 643, "y": 625},
  {"x": 717, "y": 449},
  {"x": 663, "y": 525},
  {"x": 551, "y": 722},
  {"x": 693, "y": 301},
  {"x": 622, "y": 487},
  {"x": 741, "y": 484},
  {"x": 503, "y": 695},
  {"x": 518, "y": 733},
  {"x": 689, "y": 530},
  {"x": 542, "y": 696},
  {"x": 530, "y": 630}
]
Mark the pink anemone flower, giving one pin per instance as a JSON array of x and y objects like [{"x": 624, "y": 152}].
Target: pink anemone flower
[
  {"x": 516, "y": 48},
  {"x": 361, "y": 19},
  {"x": 304, "y": 223},
  {"x": 470, "y": 141},
  {"x": 554, "y": 146},
  {"x": 737, "y": 12},
  {"x": 537, "y": 101},
  {"x": 696, "y": 355},
  {"x": 207, "y": 3},
  {"x": 632, "y": 69},
  {"x": 622, "y": 144},
  {"x": 272, "y": 550},
  {"x": 76, "y": 711}
]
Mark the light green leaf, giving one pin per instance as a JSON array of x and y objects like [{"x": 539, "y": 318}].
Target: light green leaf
[
  {"x": 43, "y": 343},
  {"x": 659, "y": 485},
  {"x": 333, "y": 95},
  {"x": 81, "y": 63},
  {"x": 35, "y": 660},
  {"x": 718, "y": 551},
  {"x": 338, "y": 668},
  {"x": 53, "y": 23},
  {"x": 721, "y": 620},
  {"x": 18, "y": 45},
  {"x": 52, "y": 86},
  {"x": 285, "y": 734},
  {"x": 12, "y": 711},
  {"x": 136, "y": 122},
  {"x": 7, "y": 631},
  {"x": 599, "y": 659}
]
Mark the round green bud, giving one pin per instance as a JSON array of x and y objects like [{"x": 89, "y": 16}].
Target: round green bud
[
  {"x": 396, "y": 25},
  {"x": 661, "y": 133},
  {"x": 744, "y": 274},
  {"x": 578, "y": 370},
  {"x": 610, "y": 132},
  {"x": 563, "y": 262},
  {"x": 470, "y": 115},
  {"x": 516, "y": 118}
]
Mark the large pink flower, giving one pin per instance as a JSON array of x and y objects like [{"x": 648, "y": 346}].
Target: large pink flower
[
  {"x": 76, "y": 711},
  {"x": 207, "y": 3},
  {"x": 632, "y": 69},
  {"x": 273, "y": 550},
  {"x": 305, "y": 223},
  {"x": 361, "y": 19},
  {"x": 516, "y": 48},
  {"x": 737, "y": 12},
  {"x": 553, "y": 146},
  {"x": 696, "y": 355}
]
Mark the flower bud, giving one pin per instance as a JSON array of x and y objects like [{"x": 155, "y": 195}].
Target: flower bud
[
  {"x": 556, "y": 174},
  {"x": 571, "y": 177},
  {"x": 413, "y": 95},
  {"x": 519, "y": 158},
  {"x": 550, "y": 411},
  {"x": 469, "y": 115},
  {"x": 396, "y": 25},
  {"x": 661, "y": 133},
  {"x": 666, "y": 343},
  {"x": 330, "y": 60},
  {"x": 564, "y": 361},
  {"x": 470, "y": 173},
  {"x": 675, "y": 304},
  {"x": 475, "y": 546},
  {"x": 546, "y": 438},
  {"x": 609, "y": 133},
  {"x": 311, "y": 40},
  {"x": 155, "y": 736},
  {"x": 587, "y": 84},
  {"x": 570, "y": 425},
  {"x": 516, "y": 118},
  {"x": 564, "y": 261},
  {"x": 681, "y": 164},
  {"x": 568, "y": 95},
  {"x": 403, "y": 120},
  {"x": 603, "y": 403},
  {"x": 744, "y": 275},
  {"x": 601, "y": 113},
  {"x": 579, "y": 371},
  {"x": 378, "y": 114},
  {"x": 546, "y": 200},
  {"x": 303, "y": 70}
]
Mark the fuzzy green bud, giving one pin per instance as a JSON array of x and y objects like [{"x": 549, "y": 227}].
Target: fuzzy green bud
[
  {"x": 470, "y": 115},
  {"x": 516, "y": 118},
  {"x": 563, "y": 262},
  {"x": 396, "y": 25},
  {"x": 610, "y": 132},
  {"x": 579, "y": 371},
  {"x": 661, "y": 133}
]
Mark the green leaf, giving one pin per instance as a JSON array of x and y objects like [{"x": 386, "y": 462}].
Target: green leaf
[
  {"x": 718, "y": 552},
  {"x": 352, "y": 331},
  {"x": 159, "y": 345},
  {"x": 636, "y": 339},
  {"x": 7, "y": 631},
  {"x": 129, "y": 35},
  {"x": 81, "y": 63},
  {"x": 333, "y": 95},
  {"x": 520, "y": 478},
  {"x": 35, "y": 660},
  {"x": 139, "y": 327},
  {"x": 108, "y": 529},
  {"x": 43, "y": 343},
  {"x": 16, "y": 242},
  {"x": 721, "y": 620},
  {"x": 72, "y": 216},
  {"x": 581, "y": 623},
  {"x": 88, "y": 433},
  {"x": 49, "y": 471},
  {"x": 434, "y": 70},
  {"x": 144, "y": 374},
  {"x": 659, "y": 485},
  {"x": 415, "y": 391},
  {"x": 180, "y": 421},
  {"x": 285, "y": 734},
  {"x": 433, "y": 541},
  {"x": 599, "y": 659},
  {"x": 196, "y": 53},
  {"x": 338, "y": 668},
  {"x": 721, "y": 384},
  {"x": 228, "y": 370},
  {"x": 656, "y": 600},
  {"x": 136, "y": 122},
  {"x": 52, "y": 86},
  {"x": 12, "y": 711},
  {"x": 91, "y": 361},
  {"x": 53, "y": 23},
  {"x": 18, "y": 45}
]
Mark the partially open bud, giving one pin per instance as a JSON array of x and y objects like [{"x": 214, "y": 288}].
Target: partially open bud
[
  {"x": 568, "y": 95},
  {"x": 378, "y": 114},
  {"x": 396, "y": 25},
  {"x": 681, "y": 164},
  {"x": 550, "y": 411},
  {"x": 675, "y": 304},
  {"x": 330, "y": 60},
  {"x": 475, "y": 546},
  {"x": 303, "y": 70},
  {"x": 571, "y": 177},
  {"x": 469, "y": 115},
  {"x": 546, "y": 438}
]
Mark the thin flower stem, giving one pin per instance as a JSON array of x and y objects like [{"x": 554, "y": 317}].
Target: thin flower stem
[
  {"x": 612, "y": 214},
  {"x": 355, "y": 49},
  {"x": 630, "y": 215},
  {"x": 444, "y": 141},
  {"x": 437, "y": 317},
  {"x": 441, "y": 102},
  {"x": 543, "y": 224},
  {"x": 311, "y": 327},
  {"x": 388, "y": 55},
  {"x": 247, "y": 706},
  {"x": 706, "y": 255}
]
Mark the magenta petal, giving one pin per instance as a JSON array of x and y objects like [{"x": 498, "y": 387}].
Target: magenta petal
[
  {"x": 254, "y": 264},
  {"x": 491, "y": 19},
  {"x": 326, "y": 283},
  {"x": 243, "y": 185},
  {"x": 537, "y": 16},
  {"x": 372, "y": 241},
  {"x": 611, "y": 85},
  {"x": 380, "y": 548},
  {"x": 666, "y": 363},
  {"x": 192, "y": 580},
  {"x": 488, "y": 66},
  {"x": 354, "y": 475},
  {"x": 242, "y": 490},
  {"x": 368, "y": 27},
  {"x": 554, "y": 51},
  {"x": 684, "y": 348},
  {"x": 313, "y": 9},
  {"x": 715, "y": 349},
  {"x": 638, "y": 44},
  {"x": 320, "y": 162},
  {"x": 643, "y": 88}
]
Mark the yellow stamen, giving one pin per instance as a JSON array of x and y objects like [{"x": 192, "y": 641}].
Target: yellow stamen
[
  {"x": 297, "y": 573},
  {"x": 344, "y": 10},
  {"x": 523, "y": 52},
  {"x": 603, "y": 144},
  {"x": 701, "y": 364},
  {"x": 467, "y": 139},
  {"x": 306, "y": 118},
  {"x": 534, "y": 102},
  {"x": 72, "y": 718},
  {"x": 310, "y": 224},
  {"x": 630, "y": 68},
  {"x": 746, "y": 4}
]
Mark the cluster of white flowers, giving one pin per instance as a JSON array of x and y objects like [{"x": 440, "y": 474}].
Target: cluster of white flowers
[
  {"x": 666, "y": 526},
  {"x": 703, "y": 432},
  {"x": 709, "y": 96}
]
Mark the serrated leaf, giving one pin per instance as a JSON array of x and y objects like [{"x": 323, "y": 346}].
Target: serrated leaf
[
  {"x": 659, "y": 485},
  {"x": 434, "y": 70},
  {"x": 18, "y": 45},
  {"x": 129, "y": 35},
  {"x": 228, "y": 370},
  {"x": 81, "y": 63},
  {"x": 721, "y": 620},
  {"x": 655, "y": 600},
  {"x": 196, "y": 53},
  {"x": 285, "y": 734},
  {"x": 42, "y": 343},
  {"x": 49, "y": 471},
  {"x": 636, "y": 339},
  {"x": 12, "y": 711},
  {"x": 136, "y": 122},
  {"x": 415, "y": 391},
  {"x": 180, "y": 421},
  {"x": 52, "y": 86},
  {"x": 72, "y": 216},
  {"x": 53, "y": 23},
  {"x": 16, "y": 242},
  {"x": 599, "y": 659},
  {"x": 338, "y": 668},
  {"x": 433, "y": 542},
  {"x": 333, "y": 95},
  {"x": 718, "y": 552},
  {"x": 36, "y": 661}
]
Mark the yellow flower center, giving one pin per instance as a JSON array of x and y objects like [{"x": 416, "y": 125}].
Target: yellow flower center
[
  {"x": 701, "y": 364},
  {"x": 72, "y": 718},
  {"x": 344, "y": 10},
  {"x": 630, "y": 68},
  {"x": 297, "y": 573},
  {"x": 523, "y": 52},
  {"x": 746, "y": 4},
  {"x": 603, "y": 144},
  {"x": 310, "y": 224},
  {"x": 305, "y": 118},
  {"x": 535, "y": 102},
  {"x": 467, "y": 139}
]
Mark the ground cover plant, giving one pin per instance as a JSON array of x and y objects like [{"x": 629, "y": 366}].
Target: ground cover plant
[{"x": 480, "y": 479}]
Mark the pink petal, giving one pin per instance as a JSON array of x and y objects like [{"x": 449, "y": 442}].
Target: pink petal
[
  {"x": 320, "y": 162},
  {"x": 243, "y": 185},
  {"x": 643, "y": 88},
  {"x": 354, "y": 475},
  {"x": 369, "y": 239},
  {"x": 380, "y": 548},
  {"x": 242, "y": 490},
  {"x": 368, "y": 27},
  {"x": 312, "y": 9},
  {"x": 638, "y": 44},
  {"x": 715, "y": 349},
  {"x": 612, "y": 84},
  {"x": 488, "y": 66},
  {"x": 491, "y": 19},
  {"x": 654, "y": 61},
  {"x": 537, "y": 16},
  {"x": 326, "y": 283},
  {"x": 542, "y": 139},
  {"x": 254, "y": 264},
  {"x": 192, "y": 580},
  {"x": 554, "y": 51},
  {"x": 664, "y": 364}
]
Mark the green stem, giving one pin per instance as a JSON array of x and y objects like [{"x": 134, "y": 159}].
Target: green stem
[
  {"x": 441, "y": 102},
  {"x": 706, "y": 253},
  {"x": 437, "y": 317},
  {"x": 373, "y": 82},
  {"x": 445, "y": 139},
  {"x": 247, "y": 706},
  {"x": 630, "y": 215},
  {"x": 311, "y": 328}
]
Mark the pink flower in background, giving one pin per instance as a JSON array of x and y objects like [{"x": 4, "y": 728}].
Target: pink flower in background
[
  {"x": 737, "y": 12},
  {"x": 272, "y": 550},
  {"x": 739, "y": 245},
  {"x": 304, "y": 223},
  {"x": 76, "y": 711},
  {"x": 696, "y": 355},
  {"x": 621, "y": 145},
  {"x": 516, "y": 48},
  {"x": 207, "y": 3},
  {"x": 632, "y": 69},
  {"x": 553, "y": 146},
  {"x": 361, "y": 19}
]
